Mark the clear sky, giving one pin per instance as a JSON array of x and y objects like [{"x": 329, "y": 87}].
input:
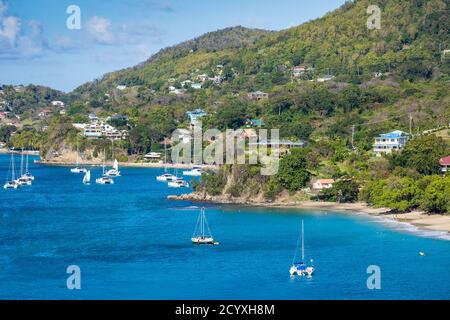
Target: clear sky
[{"x": 37, "y": 47}]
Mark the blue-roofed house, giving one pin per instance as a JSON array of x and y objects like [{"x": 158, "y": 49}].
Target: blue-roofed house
[
  {"x": 194, "y": 116},
  {"x": 388, "y": 142}
]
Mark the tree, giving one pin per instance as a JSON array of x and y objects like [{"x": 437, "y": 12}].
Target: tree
[
  {"x": 436, "y": 197},
  {"x": 422, "y": 154},
  {"x": 292, "y": 174},
  {"x": 343, "y": 191}
]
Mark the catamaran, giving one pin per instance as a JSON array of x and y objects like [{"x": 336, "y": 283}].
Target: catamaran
[
  {"x": 178, "y": 183},
  {"x": 23, "y": 180},
  {"x": 104, "y": 179},
  {"x": 27, "y": 173},
  {"x": 300, "y": 268},
  {"x": 202, "y": 233},
  {"x": 166, "y": 177},
  {"x": 12, "y": 184},
  {"x": 195, "y": 172},
  {"x": 78, "y": 169},
  {"x": 87, "y": 177}
]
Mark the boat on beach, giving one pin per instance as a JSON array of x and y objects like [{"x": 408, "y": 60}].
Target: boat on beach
[
  {"x": 11, "y": 184},
  {"x": 202, "y": 233},
  {"x": 300, "y": 268}
]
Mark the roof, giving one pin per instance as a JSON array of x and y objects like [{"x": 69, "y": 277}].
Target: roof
[
  {"x": 445, "y": 161},
  {"x": 326, "y": 181},
  {"x": 395, "y": 134}
]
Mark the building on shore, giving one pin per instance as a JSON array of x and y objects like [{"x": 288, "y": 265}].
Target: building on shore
[
  {"x": 322, "y": 184},
  {"x": 388, "y": 142},
  {"x": 445, "y": 165}
]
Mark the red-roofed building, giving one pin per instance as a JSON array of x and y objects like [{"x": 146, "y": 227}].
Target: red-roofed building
[{"x": 445, "y": 164}]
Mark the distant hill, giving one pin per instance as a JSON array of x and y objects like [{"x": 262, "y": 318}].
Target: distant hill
[
  {"x": 20, "y": 99},
  {"x": 410, "y": 42}
]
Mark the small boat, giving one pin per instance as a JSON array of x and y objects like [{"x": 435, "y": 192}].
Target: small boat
[
  {"x": 202, "y": 233},
  {"x": 12, "y": 184},
  {"x": 114, "y": 172},
  {"x": 23, "y": 180},
  {"x": 195, "y": 172},
  {"x": 87, "y": 177},
  {"x": 166, "y": 177},
  {"x": 78, "y": 169},
  {"x": 104, "y": 179},
  {"x": 27, "y": 174},
  {"x": 300, "y": 268},
  {"x": 179, "y": 183}
]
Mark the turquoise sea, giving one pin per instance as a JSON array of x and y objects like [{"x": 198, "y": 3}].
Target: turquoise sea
[{"x": 130, "y": 242}]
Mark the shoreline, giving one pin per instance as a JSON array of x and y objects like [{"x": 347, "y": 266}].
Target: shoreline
[
  {"x": 418, "y": 219},
  {"x": 149, "y": 165}
]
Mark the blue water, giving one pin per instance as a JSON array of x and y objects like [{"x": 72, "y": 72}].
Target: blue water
[{"x": 132, "y": 243}]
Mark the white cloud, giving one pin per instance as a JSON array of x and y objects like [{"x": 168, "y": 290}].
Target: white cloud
[
  {"x": 99, "y": 28},
  {"x": 9, "y": 29}
]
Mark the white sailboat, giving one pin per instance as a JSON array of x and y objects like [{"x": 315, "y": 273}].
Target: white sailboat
[
  {"x": 78, "y": 169},
  {"x": 104, "y": 179},
  {"x": 202, "y": 233},
  {"x": 87, "y": 177},
  {"x": 114, "y": 172},
  {"x": 23, "y": 179},
  {"x": 300, "y": 268},
  {"x": 27, "y": 172},
  {"x": 12, "y": 184},
  {"x": 166, "y": 177}
]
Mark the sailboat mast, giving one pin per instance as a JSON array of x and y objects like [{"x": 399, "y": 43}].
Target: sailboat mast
[
  {"x": 303, "y": 242},
  {"x": 13, "y": 169},
  {"x": 21, "y": 164}
]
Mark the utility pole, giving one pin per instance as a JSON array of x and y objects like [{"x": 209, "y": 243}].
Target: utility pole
[
  {"x": 410, "y": 123},
  {"x": 353, "y": 137}
]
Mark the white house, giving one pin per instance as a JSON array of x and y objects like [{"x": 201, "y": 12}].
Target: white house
[
  {"x": 323, "y": 184},
  {"x": 58, "y": 104},
  {"x": 153, "y": 156},
  {"x": 388, "y": 142}
]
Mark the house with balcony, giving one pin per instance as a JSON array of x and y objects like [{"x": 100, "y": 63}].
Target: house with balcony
[
  {"x": 195, "y": 116},
  {"x": 445, "y": 165},
  {"x": 258, "y": 95},
  {"x": 389, "y": 142}
]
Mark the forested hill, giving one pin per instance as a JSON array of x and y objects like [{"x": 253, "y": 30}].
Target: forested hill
[
  {"x": 21, "y": 99},
  {"x": 410, "y": 42}
]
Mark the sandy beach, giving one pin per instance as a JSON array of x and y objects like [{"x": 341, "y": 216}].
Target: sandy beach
[
  {"x": 123, "y": 164},
  {"x": 433, "y": 222}
]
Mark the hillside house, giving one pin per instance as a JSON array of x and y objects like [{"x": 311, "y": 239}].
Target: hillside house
[
  {"x": 195, "y": 116},
  {"x": 258, "y": 95},
  {"x": 445, "y": 164},
  {"x": 322, "y": 184},
  {"x": 388, "y": 142}
]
